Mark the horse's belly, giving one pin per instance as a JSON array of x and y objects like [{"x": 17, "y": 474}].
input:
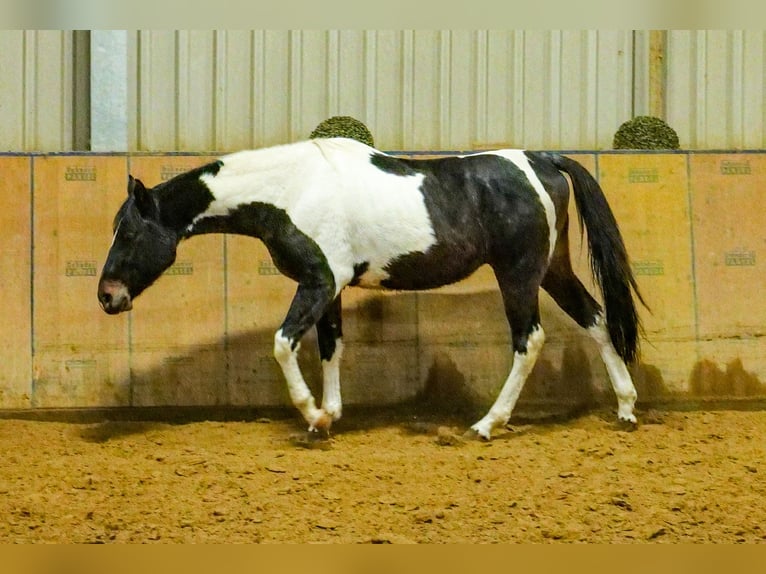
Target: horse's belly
[
  {"x": 419, "y": 271},
  {"x": 371, "y": 279}
]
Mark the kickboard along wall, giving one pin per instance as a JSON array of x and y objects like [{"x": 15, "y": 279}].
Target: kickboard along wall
[{"x": 203, "y": 335}]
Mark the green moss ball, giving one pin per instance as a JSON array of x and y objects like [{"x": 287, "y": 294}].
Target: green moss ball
[
  {"x": 645, "y": 132},
  {"x": 343, "y": 127}
]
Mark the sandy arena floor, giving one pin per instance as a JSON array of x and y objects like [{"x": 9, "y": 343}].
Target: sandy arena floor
[{"x": 679, "y": 477}]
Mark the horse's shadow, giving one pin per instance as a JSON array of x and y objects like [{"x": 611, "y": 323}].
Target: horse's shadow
[
  {"x": 427, "y": 357},
  {"x": 115, "y": 429}
]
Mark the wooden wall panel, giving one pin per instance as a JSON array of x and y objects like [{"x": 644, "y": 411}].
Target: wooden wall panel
[
  {"x": 203, "y": 335},
  {"x": 80, "y": 353},
  {"x": 15, "y": 282}
]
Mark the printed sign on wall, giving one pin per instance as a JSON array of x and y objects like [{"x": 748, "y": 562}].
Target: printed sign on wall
[{"x": 728, "y": 205}]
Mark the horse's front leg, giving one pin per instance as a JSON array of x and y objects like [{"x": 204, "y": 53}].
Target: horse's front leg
[
  {"x": 330, "y": 340},
  {"x": 308, "y": 306}
]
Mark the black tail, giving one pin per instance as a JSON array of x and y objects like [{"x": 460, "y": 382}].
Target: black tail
[{"x": 608, "y": 258}]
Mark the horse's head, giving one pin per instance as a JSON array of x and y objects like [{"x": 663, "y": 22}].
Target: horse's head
[{"x": 141, "y": 250}]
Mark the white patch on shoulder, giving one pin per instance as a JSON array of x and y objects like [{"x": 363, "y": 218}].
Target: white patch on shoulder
[
  {"x": 520, "y": 160},
  {"x": 354, "y": 211},
  {"x": 386, "y": 215}
]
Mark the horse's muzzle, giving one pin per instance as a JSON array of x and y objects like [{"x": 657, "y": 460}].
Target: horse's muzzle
[{"x": 114, "y": 297}]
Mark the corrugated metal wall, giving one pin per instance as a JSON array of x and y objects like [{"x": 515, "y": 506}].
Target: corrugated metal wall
[
  {"x": 715, "y": 88},
  {"x": 416, "y": 90},
  {"x": 36, "y": 88}
]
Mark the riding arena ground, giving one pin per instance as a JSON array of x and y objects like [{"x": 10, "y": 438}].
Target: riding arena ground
[{"x": 386, "y": 476}]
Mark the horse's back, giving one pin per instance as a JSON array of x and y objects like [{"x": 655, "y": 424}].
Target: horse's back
[{"x": 408, "y": 223}]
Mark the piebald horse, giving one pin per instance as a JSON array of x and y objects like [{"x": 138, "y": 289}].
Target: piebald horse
[{"x": 335, "y": 213}]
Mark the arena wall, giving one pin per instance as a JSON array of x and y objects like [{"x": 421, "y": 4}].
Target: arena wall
[{"x": 203, "y": 335}]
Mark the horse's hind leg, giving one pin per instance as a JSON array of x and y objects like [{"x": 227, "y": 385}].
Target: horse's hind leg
[
  {"x": 521, "y": 308},
  {"x": 330, "y": 340},
  {"x": 570, "y": 294},
  {"x": 617, "y": 369},
  {"x": 308, "y": 306}
]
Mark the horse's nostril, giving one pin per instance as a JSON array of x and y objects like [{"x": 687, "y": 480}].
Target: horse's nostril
[{"x": 114, "y": 297}]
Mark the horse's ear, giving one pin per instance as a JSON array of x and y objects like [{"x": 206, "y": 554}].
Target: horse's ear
[
  {"x": 142, "y": 197},
  {"x": 132, "y": 182}
]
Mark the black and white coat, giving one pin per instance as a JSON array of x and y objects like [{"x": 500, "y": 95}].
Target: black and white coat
[{"x": 335, "y": 213}]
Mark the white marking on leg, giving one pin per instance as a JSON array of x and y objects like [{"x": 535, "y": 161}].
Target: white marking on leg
[
  {"x": 523, "y": 363},
  {"x": 300, "y": 394},
  {"x": 617, "y": 369},
  {"x": 331, "y": 399}
]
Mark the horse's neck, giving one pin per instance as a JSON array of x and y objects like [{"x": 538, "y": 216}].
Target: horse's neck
[{"x": 181, "y": 202}]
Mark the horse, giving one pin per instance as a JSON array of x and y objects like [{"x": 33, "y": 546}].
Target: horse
[{"x": 336, "y": 213}]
